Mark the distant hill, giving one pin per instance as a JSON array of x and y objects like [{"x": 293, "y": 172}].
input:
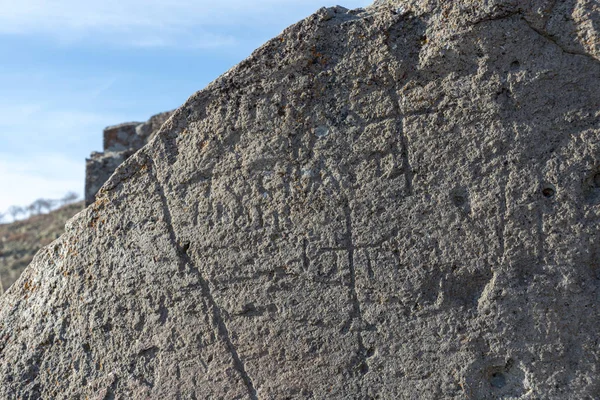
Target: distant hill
[{"x": 21, "y": 240}]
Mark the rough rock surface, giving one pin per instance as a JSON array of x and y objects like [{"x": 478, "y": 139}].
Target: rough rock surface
[
  {"x": 21, "y": 240},
  {"x": 120, "y": 142},
  {"x": 397, "y": 202}
]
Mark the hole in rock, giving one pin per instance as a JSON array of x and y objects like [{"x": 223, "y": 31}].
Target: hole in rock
[
  {"x": 498, "y": 380},
  {"x": 515, "y": 65},
  {"x": 185, "y": 247},
  {"x": 370, "y": 352},
  {"x": 364, "y": 368},
  {"x": 548, "y": 191},
  {"x": 459, "y": 200},
  {"x": 459, "y": 197},
  {"x": 596, "y": 180}
]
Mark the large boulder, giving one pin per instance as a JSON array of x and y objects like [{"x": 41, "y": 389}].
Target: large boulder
[{"x": 397, "y": 202}]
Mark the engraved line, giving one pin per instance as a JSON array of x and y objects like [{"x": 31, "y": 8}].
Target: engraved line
[{"x": 216, "y": 311}]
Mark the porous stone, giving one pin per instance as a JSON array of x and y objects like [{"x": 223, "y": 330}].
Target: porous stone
[{"x": 393, "y": 202}]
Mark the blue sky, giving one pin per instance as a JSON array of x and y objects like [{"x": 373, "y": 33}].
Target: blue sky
[{"x": 69, "y": 68}]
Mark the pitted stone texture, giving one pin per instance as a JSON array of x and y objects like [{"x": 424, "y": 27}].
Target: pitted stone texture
[
  {"x": 349, "y": 213},
  {"x": 571, "y": 24}
]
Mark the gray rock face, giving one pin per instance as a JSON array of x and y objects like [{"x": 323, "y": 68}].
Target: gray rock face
[
  {"x": 120, "y": 142},
  {"x": 398, "y": 202}
]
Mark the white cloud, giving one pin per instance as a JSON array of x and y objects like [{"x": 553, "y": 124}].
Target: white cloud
[
  {"x": 48, "y": 125},
  {"x": 48, "y": 175},
  {"x": 203, "y": 41},
  {"x": 17, "y": 112},
  {"x": 44, "y": 124},
  {"x": 156, "y": 23}
]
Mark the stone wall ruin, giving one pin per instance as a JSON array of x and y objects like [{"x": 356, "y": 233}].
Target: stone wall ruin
[{"x": 120, "y": 142}]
